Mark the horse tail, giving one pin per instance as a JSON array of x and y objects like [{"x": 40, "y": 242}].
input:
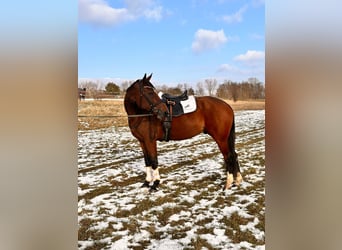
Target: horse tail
[
  {"x": 231, "y": 138},
  {"x": 232, "y": 163}
]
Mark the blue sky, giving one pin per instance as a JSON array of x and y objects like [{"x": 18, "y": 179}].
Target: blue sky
[{"x": 177, "y": 41}]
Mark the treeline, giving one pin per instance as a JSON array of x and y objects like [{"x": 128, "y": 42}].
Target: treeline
[
  {"x": 241, "y": 91},
  {"x": 97, "y": 90},
  {"x": 251, "y": 89}
]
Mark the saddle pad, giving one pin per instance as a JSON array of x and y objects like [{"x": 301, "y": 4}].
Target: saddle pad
[{"x": 189, "y": 105}]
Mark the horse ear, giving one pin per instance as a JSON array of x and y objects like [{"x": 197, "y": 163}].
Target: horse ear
[
  {"x": 144, "y": 78},
  {"x": 149, "y": 77}
]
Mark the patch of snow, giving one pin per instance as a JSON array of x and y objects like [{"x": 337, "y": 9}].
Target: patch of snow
[
  {"x": 107, "y": 156},
  {"x": 165, "y": 244},
  {"x": 121, "y": 244}
]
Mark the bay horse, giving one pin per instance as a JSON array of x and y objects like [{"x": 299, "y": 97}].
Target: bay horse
[{"x": 146, "y": 117}]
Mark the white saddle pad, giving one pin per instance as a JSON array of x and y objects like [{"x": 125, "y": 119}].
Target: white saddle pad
[{"x": 189, "y": 105}]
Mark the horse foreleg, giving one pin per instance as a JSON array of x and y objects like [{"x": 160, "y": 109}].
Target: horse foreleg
[
  {"x": 156, "y": 179},
  {"x": 151, "y": 163},
  {"x": 148, "y": 168},
  {"x": 148, "y": 179},
  {"x": 152, "y": 175}
]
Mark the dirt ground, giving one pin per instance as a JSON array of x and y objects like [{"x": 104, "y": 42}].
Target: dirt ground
[{"x": 91, "y": 112}]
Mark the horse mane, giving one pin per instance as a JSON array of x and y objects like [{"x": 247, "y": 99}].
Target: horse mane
[
  {"x": 130, "y": 87},
  {"x": 145, "y": 80}
]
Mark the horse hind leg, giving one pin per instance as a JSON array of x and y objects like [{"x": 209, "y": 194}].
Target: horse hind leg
[
  {"x": 230, "y": 170},
  {"x": 238, "y": 178},
  {"x": 233, "y": 170},
  {"x": 228, "y": 159},
  {"x": 232, "y": 163}
]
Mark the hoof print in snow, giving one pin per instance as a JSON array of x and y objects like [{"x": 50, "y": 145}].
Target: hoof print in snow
[{"x": 144, "y": 190}]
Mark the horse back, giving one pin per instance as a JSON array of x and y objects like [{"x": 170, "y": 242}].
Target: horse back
[{"x": 210, "y": 106}]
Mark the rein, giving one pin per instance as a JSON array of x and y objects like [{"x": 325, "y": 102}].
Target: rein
[{"x": 113, "y": 116}]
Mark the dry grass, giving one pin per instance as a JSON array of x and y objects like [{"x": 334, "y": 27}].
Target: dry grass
[
  {"x": 101, "y": 108},
  {"x": 247, "y": 104},
  {"x": 115, "y": 108}
]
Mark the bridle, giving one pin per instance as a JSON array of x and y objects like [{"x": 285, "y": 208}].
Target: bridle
[{"x": 153, "y": 106}]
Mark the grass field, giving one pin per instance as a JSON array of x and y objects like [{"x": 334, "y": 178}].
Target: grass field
[{"x": 190, "y": 211}]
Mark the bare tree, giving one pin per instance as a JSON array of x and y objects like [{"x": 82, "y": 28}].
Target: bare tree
[
  {"x": 223, "y": 90},
  {"x": 191, "y": 91},
  {"x": 170, "y": 90},
  {"x": 125, "y": 85},
  {"x": 241, "y": 91},
  {"x": 199, "y": 89},
  {"x": 210, "y": 85},
  {"x": 92, "y": 88},
  {"x": 234, "y": 89}
]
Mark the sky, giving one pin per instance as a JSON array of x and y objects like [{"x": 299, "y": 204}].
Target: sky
[{"x": 177, "y": 41}]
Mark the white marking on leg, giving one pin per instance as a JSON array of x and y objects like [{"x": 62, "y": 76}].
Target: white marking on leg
[
  {"x": 238, "y": 179},
  {"x": 156, "y": 175},
  {"x": 230, "y": 180},
  {"x": 149, "y": 174}
]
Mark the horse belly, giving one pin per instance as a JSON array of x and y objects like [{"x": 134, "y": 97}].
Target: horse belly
[{"x": 185, "y": 127}]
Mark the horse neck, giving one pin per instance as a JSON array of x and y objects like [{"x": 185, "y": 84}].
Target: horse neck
[
  {"x": 133, "y": 109},
  {"x": 130, "y": 107}
]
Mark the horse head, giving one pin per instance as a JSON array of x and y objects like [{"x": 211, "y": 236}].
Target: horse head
[{"x": 144, "y": 95}]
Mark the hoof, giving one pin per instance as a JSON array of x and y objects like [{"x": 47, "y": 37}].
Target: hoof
[
  {"x": 154, "y": 187},
  {"x": 233, "y": 186},
  {"x": 145, "y": 185}
]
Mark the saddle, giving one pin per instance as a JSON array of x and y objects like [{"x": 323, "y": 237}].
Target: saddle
[
  {"x": 177, "y": 105},
  {"x": 173, "y": 103},
  {"x": 182, "y": 97}
]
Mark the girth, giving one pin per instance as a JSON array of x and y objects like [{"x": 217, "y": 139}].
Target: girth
[{"x": 175, "y": 109}]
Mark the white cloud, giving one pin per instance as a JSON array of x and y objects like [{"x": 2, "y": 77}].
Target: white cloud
[
  {"x": 251, "y": 57},
  {"x": 255, "y": 36},
  {"x": 99, "y": 12},
  {"x": 241, "y": 73},
  {"x": 146, "y": 8},
  {"x": 257, "y": 3},
  {"x": 208, "y": 39},
  {"x": 236, "y": 17},
  {"x": 155, "y": 13},
  {"x": 227, "y": 68}
]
